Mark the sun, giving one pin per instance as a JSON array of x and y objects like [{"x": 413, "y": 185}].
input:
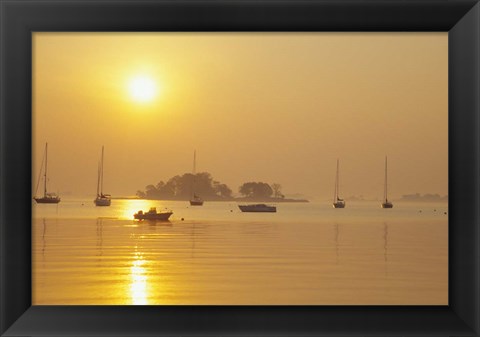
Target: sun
[{"x": 142, "y": 89}]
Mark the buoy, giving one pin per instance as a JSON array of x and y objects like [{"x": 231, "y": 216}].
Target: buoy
[{"x": 182, "y": 219}]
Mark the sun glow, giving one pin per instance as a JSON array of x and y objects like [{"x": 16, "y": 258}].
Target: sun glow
[{"x": 142, "y": 89}]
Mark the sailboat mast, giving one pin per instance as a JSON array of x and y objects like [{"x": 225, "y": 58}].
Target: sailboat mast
[
  {"x": 45, "y": 176},
  {"x": 336, "y": 185},
  {"x": 338, "y": 177},
  {"x": 101, "y": 179},
  {"x": 98, "y": 179},
  {"x": 194, "y": 172},
  {"x": 385, "y": 187}
]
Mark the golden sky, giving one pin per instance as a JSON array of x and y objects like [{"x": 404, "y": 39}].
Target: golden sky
[{"x": 271, "y": 107}]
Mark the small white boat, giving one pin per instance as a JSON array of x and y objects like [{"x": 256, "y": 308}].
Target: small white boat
[
  {"x": 196, "y": 201},
  {"x": 48, "y": 198},
  {"x": 152, "y": 214},
  {"x": 257, "y": 208}
]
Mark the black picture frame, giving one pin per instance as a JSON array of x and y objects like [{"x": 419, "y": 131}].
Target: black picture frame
[{"x": 19, "y": 18}]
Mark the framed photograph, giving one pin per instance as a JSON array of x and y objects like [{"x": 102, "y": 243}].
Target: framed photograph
[{"x": 240, "y": 168}]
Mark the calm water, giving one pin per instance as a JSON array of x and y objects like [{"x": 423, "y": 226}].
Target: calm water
[{"x": 307, "y": 253}]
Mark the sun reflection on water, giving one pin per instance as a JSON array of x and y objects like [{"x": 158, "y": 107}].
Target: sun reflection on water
[
  {"x": 138, "y": 286},
  {"x": 131, "y": 207}
]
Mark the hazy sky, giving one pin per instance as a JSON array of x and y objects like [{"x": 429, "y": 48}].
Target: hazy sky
[{"x": 271, "y": 107}]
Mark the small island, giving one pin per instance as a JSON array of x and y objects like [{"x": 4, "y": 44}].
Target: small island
[
  {"x": 182, "y": 187},
  {"x": 417, "y": 197}
]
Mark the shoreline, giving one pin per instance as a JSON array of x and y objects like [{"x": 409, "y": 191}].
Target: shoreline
[{"x": 223, "y": 200}]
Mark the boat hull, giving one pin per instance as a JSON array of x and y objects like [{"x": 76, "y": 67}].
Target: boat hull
[
  {"x": 47, "y": 200},
  {"x": 196, "y": 202},
  {"x": 257, "y": 208},
  {"x": 387, "y": 205},
  {"x": 102, "y": 202},
  {"x": 338, "y": 205},
  {"x": 155, "y": 217}
]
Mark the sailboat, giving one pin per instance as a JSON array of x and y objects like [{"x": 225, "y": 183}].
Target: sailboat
[
  {"x": 386, "y": 203},
  {"x": 48, "y": 198},
  {"x": 101, "y": 199},
  {"x": 195, "y": 200},
  {"x": 337, "y": 202}
]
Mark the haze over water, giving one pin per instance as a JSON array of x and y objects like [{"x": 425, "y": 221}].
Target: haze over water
[
  {"x": 303, "y": 254},
  {"x": 257, "y": 107},
  {"x": 271, "y": 107}
]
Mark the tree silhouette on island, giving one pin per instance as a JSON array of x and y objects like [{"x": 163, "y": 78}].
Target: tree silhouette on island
[{"x": 180, "y": 187}]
